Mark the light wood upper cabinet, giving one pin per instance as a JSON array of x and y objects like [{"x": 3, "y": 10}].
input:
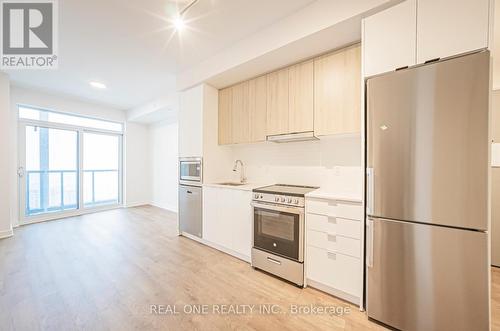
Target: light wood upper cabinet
[
  {"x": 257, "y": 108},
  {"x": 321, "y": 95},
  {"x": 240, "y": 129},
  {"x": 450, "y": 27},
  {"x": 225, "y": 121},
  {"x": 337, "y": 92},
  {"x": 277, "y": 102},
  {"x": 300, "y": 97}
]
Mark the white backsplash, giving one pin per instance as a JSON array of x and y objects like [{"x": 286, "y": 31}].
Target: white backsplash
[{"x": 334, "y": 164}]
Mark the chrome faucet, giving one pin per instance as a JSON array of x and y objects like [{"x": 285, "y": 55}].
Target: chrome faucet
[{"x": 243, "y": 179}]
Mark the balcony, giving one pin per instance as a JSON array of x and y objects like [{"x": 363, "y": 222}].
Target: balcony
[{"x": 57, "y": 190}]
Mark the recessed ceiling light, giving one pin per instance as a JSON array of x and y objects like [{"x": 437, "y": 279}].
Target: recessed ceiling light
[
  {"x": 179, "y": 23},
  {"x": 98, "y": 85}
]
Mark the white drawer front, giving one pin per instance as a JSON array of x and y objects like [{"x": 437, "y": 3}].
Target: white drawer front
[
  {"x": 335, "y": 270},
  {"x": 334, "y": 225},
  {"x": 353, "y": 211},
  {"x": 334, "y": 243}
]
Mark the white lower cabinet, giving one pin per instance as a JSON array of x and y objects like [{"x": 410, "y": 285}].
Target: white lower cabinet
[
  {"x": 227, "y": 220},
  {"x": 337, "y": 271},
  {"x": 334, "y": 247}
]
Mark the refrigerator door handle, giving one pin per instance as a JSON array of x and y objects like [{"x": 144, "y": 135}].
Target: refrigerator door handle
[
  {"x": 369, "y": 191},
  {"x": 369, "y": 242}
]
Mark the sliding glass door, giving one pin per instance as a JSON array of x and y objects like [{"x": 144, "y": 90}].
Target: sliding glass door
[
  {"x": 101, "y": 159},
  {"x": 65, "y": 169},
  {"x": 51, "y": 170}
]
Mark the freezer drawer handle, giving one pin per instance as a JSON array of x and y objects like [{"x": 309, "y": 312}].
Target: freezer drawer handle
[
  {"x": 332, "y": 220},
  {"x": 369, "y": 244},
  {"x": 274, "y": 261},
  {"x": 332, "y": 237},
  {"x": 189, "y": 192}
]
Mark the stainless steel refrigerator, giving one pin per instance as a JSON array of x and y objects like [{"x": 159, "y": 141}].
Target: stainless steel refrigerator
[{"x": 427, "y": 196}]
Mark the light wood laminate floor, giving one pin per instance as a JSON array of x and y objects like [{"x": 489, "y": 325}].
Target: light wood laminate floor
[{"x": 104, "y": 271}]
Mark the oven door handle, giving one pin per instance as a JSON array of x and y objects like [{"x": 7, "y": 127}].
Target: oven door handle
[{"x": 272, "y": 207}]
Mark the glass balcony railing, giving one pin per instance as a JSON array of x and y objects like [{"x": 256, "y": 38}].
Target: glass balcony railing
[{"x": 58, "y": 190}]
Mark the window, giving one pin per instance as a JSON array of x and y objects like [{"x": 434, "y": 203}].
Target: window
[
  {"x": 69, "y": 162},
  {"x": 51, "y": 170},
  {"x": 100, "y": 169},
  {"x": 29, "y": 113}
]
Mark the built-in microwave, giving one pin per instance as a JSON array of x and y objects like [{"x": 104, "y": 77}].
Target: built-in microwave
[{"x": 190, "y": 170}]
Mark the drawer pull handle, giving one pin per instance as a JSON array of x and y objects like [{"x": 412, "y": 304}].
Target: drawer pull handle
[
  {"x": 332, "y": 256},
  {"x": 332, "y": 237},
  {"x": 274, "y": 261},
  {"x": 332, "y": 220}
]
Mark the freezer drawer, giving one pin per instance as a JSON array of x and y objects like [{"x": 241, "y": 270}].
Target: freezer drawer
[
  {"x": 190, "y": 210},
  {"x": 425, "y": 277}
]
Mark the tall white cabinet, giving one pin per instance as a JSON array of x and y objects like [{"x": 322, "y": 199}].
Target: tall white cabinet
[
  {"x": 416, "y": 31},
  {"x": 191, "y": 122},
  {"x": 450, "y": 27},
  {"x": 389, "y": 38}
]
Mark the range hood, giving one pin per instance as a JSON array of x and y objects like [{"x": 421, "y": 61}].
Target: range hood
[{"x": 292, "y": 137}]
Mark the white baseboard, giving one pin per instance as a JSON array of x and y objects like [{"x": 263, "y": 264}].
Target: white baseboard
[
  {"x": 169, "y": 208},
  {"x": 6, "y": 234},
  {"x": 218, "y": 247},
  {"x": 137, "y": 204},
  {"x": 337, "y": 293}
]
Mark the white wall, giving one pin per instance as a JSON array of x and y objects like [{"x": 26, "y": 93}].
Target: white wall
[
  {"x": 6, "y": 166},
  {"x": 136, "y": 140},
  {"x": 164, "y": 165},
  {"x": 137, "y": 181},
  {"x": 333, "y": 163}
]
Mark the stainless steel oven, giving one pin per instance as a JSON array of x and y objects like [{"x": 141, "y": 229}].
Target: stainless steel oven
[
  {"x": 279, "y": 229},
  {"x": 190, "y": 170}
]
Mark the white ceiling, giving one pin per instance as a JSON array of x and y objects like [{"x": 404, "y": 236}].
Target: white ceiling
[{"x": 132, "y": 48}]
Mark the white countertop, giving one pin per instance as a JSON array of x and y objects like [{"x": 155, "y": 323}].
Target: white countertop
[
  {"x": 245, "y": 187},
  {"x": 331, "y": 195}
]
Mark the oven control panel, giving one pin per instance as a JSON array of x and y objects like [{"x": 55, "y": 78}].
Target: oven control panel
[{"x": 279, "y": 199}]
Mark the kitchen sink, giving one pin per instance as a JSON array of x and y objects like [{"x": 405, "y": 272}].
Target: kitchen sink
[{"x": 231, "y": 184}]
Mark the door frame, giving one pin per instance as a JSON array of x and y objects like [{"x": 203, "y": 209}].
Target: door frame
[{"x": 80, "y": 210}]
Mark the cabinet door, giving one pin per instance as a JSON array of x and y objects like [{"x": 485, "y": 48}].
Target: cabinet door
[
  {"x": 389, "y": 38},
  {"x": 451, "y": 27},
  {"x": 225, "y": 121},
  {"x": 337, "y": 92},
  {"x": 277, "y": 102},
  {"x": 241, "y": 222},
  {"x": 225, "y": 214},
  {"x": 239, "y": 114},
  {"x": 300, "y": 97},
  {"x": 257, "y": 108},
  {"x": 191, "y": 122},
  {"x": 210, "y": 215}
]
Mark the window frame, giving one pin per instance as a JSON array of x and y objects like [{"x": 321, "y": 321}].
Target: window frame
[{"x": 23, "y": 122}]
